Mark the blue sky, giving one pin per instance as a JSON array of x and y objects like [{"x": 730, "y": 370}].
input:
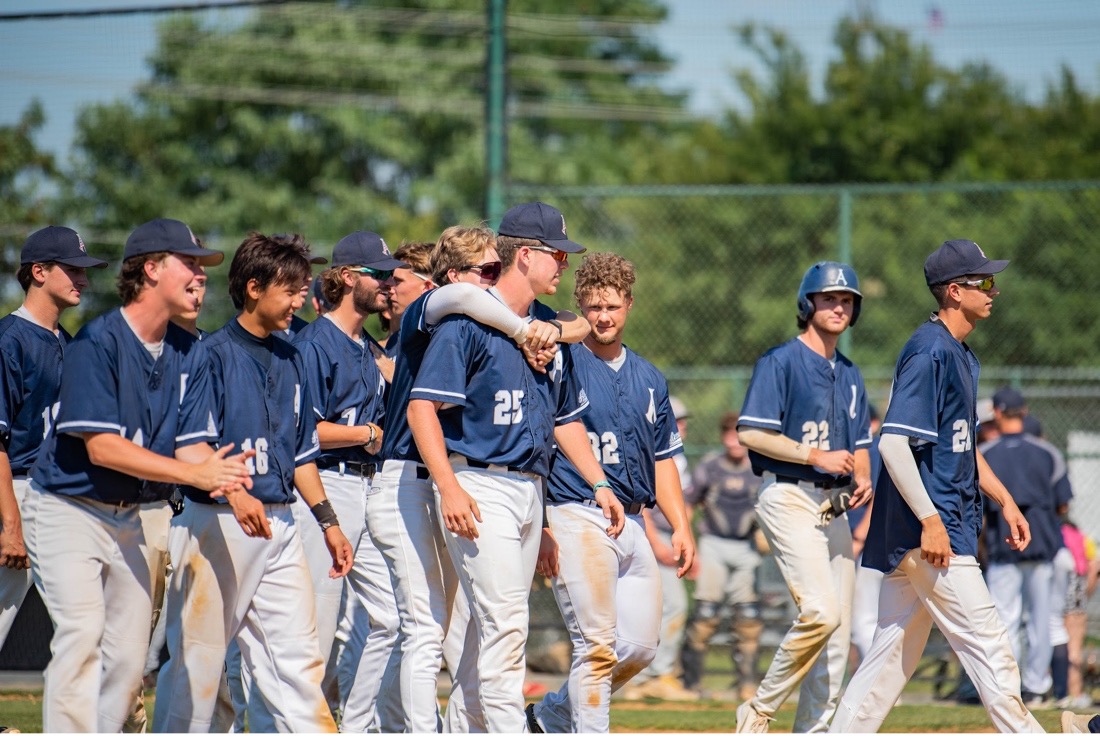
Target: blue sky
[{"x": 71, "y": 62}]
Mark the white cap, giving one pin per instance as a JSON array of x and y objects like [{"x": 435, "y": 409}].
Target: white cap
[{"x": 678, "y": 409}]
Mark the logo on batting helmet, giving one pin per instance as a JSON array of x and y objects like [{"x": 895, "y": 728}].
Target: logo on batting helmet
[{"x": 828, "y": 276}]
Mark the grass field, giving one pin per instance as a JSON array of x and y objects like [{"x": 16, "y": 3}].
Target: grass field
[{"x": 24, "y": 711}]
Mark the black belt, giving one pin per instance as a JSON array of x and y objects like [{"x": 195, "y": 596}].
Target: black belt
[
  {"x": 492, "y": 466},
  {"x": 823, "y": 484},
  {"x": 631, "y": 509},
  {"x": 422, "y": 473},
  {"x": 349, "y": 467}
]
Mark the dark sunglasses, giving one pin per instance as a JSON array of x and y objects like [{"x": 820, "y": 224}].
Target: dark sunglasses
[
  {"x": 490, "y": 270},
  {"x": 374, "y": 273},
  {"x": 559, "y": 255}
]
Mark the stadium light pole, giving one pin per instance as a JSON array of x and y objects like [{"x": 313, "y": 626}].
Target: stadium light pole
[{"x": 494, "y": 115}]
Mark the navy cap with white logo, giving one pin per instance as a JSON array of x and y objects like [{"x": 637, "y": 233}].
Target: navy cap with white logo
[
  {"x": 957, "y": 258},
  {"x": 541, "y": 222},
  {"x": 172, "y": 236},
  {"x": 364, "y": 248},
  {"x": 59, "y": 245}
]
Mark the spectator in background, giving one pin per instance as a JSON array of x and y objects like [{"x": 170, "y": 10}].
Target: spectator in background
[
  {"x": 724, "y": 486},
  {"x": 1034, "y": 472},
  {"x": 1082, "y": 570},
  {"x": 660, "y": 679}
]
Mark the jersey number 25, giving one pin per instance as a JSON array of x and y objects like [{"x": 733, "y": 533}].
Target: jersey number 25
[{"x": 508, "y": 408}]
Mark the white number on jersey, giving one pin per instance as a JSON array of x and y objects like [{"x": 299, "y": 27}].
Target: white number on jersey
[
  {"x": 816, "y": 434},
  {"x": 49, "y": 414},
  {"x": 349, "y": 414},
  {"x": 256, "y": 465},
  {"x": 509, "y": 407},
  {"x": 605, "y": 447},
  {"x": 961, "y": 441}
]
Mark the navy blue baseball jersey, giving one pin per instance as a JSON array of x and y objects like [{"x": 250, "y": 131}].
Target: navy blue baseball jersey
[
  {"x": 261, "y": 409},
  {"x": 932, "y": 403},
  {"x": 496, "y": 409},
  {"x": 855, "y": 516},
  {"x": 393, "y": 342},
  {"x": 629, "y": 423},
  {"x": 803, "y": 396},
  {"x": 297, "y": 324},
  {"x": 110, "y": 383},
  {"x": 30, "y": 380},
  {"x": 345, "y": 385},
  {"x": 1034, "y": 472},
  {"x": 410, "y": 343},
  {"x": 726, "y": 494}
]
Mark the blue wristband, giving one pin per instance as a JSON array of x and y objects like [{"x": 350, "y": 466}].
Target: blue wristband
[{"x": 600, "y": 484}]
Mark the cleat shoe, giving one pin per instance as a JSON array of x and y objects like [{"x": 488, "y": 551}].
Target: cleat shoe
[
  {"x": 749, "y": 720},
  {"x": 668, "y": 687},
  {"x": 1073, "y": 723}
]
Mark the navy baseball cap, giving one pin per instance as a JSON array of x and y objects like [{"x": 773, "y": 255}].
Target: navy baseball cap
[
  {"x": 172, "y": 236},
  {"x": 1007, "y": 398},
  {"x": 364, "y": 248},
  {"x": 541, "y": 222},
  {"x": 957, "y": 258},
  {"x": 60, "y": 245}
]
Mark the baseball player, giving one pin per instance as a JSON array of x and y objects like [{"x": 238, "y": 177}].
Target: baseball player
[
  {"x": 726, "y": 489},
  {"x": 242, "y": 571},
  {"x": 482, "y": 423},
  {"x": 346, "y": 390},
  {"x": 608, "y": 587},
  {"x": 52, "y": 274},
  {"x": 133, "y": 421},
  {"x": 805, "y": 421},
  {"x": 927, "y": 511}
]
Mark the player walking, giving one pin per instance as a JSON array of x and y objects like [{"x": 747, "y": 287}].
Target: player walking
[
  {"x": 608, "y": 587},
  {"x": 251, "y": 585},
  {"x": 134, "y": 404},
  {"x": 32, "y": 345},
  {"x": 927, "y": 513},
  {"x": 805, "y": 421}
]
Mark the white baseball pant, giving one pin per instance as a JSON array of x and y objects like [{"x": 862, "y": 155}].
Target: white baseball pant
[
  {"x": 402, "y": 523},
  {"x": 496, "y": 571},
  {"x": 463, "y": 714},
  {"x": 225, "y": 583},
  {"x": 727, "y": 570},
  {"x": 818, "y": 566},
  {"x": 92, "y": 570},
  {"x": 608, "y": 593},
  {"x": 1013, "y": 586},
  {"x": 14, "y": 584},
  {"x": 865, "y": 608},
  {"x": 674, "y": 612},
  {"x": 915, "y": 595},
  {"x": 373, "y": 701}
]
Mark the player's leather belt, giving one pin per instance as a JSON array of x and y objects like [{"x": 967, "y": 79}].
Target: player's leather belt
[
  {"x": 824, "y": 484},
  {"x": 631, "y": 509},
  {"x": 498, "y": 468},
  {"x": 349, "y": 467},
  {"x": 422, "y": 473}
]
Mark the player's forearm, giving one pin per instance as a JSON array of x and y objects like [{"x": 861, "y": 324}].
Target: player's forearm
[
  {"x": 9, "y": 507},
  {"x": 332, "y": 435},
  {"x": 990, "y": 484},
  {"x": 117, "y": 453},
  {"x": 863, "y": 465},
  {"x": 775, "y": 445},
  {"x": 427, "y": 432},
  {"x": 899, "y": 462},
  {"x": 573, "y": 328},
  {"x": 477, "y": 304},
  {"x": 309, "y": 485},
  {"x": 670, "y": 497},
  {"x": 572, "y": 439}
]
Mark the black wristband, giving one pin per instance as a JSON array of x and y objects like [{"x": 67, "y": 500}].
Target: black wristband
[
  {"x": 557, "y": 324},
  {"x": 324, "y": 514}
]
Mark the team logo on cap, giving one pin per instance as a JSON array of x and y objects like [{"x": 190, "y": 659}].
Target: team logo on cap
[
  {"x": 980, "y": 250},
  {"x": 840, "y": 280},
  {"x": 563, "y": 226},
  {"x": 80, "y": 242},
  {"x": 193, "y": 238},
  {"x": 385, "y": 248}
]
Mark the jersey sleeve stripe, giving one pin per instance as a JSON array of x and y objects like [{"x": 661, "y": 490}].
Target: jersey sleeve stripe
[
  {"x": 907, "y": 430},
  {"x": 195, "y": 436},
  {"x": 311, "y": 451},
  {"x": 759, "y": 420},
  {"x": 427, "y": 393},
  {"x": 566, "y": 418},
  {"x": 88, "y": 425}
]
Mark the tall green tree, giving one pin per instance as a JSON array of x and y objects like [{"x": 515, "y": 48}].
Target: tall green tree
[{"x": 26, "y": 176}]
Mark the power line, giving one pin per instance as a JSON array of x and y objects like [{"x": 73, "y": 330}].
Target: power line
[{"x": 136, "y": 10}]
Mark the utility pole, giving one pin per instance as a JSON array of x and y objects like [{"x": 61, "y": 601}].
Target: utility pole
[{"x": 495, "y": 131}]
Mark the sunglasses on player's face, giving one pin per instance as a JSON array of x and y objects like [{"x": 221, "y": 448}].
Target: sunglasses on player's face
[
  {"x": 983, "y": 284},
  {"x": 558, "y": 255},
  {"x": 489, "y": 271},
  {"x": 375, "y": 273}
]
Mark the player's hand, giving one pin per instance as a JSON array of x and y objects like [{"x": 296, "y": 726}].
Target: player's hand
[
  {"x": 863, "y": 492},
  {"x": 373, "y": 447},
  {"x": 539, "y": 359},
  {"x": 837, "y": 462},
  {"x": 683, "y": 551},
  {"x": 223, "y": 474},
  {"x": 460, "y": 511},
  {"x": 341, "y": 551},
  {"x": 612, "y": 509},
  {"x": 1019, "y": 536},
  {"x": 935, "y": 546},
  {"x": 250, "y": 514},
  {"x": 541, "y": 335},
  {"x": 384, "y": 362},
  {"x": 547, "y": 563},
  {"x": 13, "y": 552}
]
